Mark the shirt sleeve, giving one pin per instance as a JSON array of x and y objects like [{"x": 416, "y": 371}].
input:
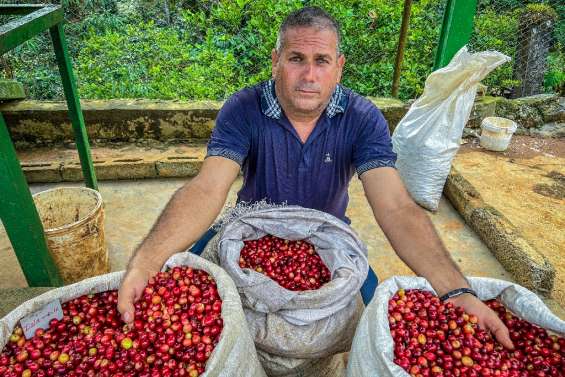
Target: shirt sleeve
[
  {"x": 373, "y": 146},
  {"x": 231, "y": 136}
]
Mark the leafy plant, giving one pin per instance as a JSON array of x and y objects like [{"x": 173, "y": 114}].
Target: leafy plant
[{"x": 190, "y": 49}]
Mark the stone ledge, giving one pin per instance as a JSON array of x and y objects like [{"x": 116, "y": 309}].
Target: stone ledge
[
  {"x": 530, "y": 113},
  {"x": 37, "y": 123},
  {"x": 11, "y": 90},
  {"x": 42, "y": 172},
  {"x": 47, "y": 122},
  {"x": 527, "y": 265},
  {"x": 62, "y": 165}
]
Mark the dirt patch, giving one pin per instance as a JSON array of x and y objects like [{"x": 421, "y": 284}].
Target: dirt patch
[
  {"x": 521, "y": 147},
  {"x": 526, "y": 184},
  {"x": 453, "y": 225},
  {"x": 555, "y": 190}
]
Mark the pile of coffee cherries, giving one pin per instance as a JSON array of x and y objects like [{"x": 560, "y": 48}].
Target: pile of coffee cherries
[
  {"x": 295, "y": 265},
  {"x": 432, "y": 338},
  {"x": 176, "y": 327}
]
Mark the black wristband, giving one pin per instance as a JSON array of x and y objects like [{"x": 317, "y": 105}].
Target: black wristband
[{"x": 457, "y": 292}]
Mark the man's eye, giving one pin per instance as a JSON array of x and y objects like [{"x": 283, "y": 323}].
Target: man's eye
[
  {"x": 322, "y": 61},
  {"x": 295, "y": 59}
]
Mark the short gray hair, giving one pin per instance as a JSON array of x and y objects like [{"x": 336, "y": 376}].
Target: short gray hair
[{"x": 308, "y": 17}]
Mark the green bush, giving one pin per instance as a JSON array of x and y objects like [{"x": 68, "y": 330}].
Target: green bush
[
  {"x": 189, "y": 49},
  {"x": 145, "y": 61},
  {"x": 555, "y": 76},
  {"x": 497, "y": 31},
  {"x": 33, "y": 62},
  {"x": 497, "y": 28}
]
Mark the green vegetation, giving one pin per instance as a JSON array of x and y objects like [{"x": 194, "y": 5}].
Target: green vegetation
[
  {"x": 190, "y": 49},
  {"x": 497, "y": 28}
]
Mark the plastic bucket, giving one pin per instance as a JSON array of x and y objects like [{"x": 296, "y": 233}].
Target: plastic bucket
[
  {"x": 496, "y": 133},
  {"x": 73, "y": 222}
]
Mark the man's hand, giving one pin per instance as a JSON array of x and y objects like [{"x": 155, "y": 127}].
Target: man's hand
[
  {"x": 131, "y": 289},
  {"x": 186, "y": 217},
  {"x": 487, "y": 317}
]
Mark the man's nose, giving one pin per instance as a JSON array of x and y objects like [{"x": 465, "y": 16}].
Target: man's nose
[{"x": 309, "y": 72}]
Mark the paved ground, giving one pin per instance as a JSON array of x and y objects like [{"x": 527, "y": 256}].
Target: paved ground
[
  {"x": 132, "y": 206},
  {"x": 526, "y": 184}
]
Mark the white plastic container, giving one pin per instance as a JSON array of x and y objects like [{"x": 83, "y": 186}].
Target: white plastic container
[
  {"x": 73, "y": 222},
  {"x": 496, "y": 133}
]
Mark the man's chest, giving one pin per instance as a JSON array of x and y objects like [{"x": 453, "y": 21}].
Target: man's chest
[{"x": 323, "y": 150}]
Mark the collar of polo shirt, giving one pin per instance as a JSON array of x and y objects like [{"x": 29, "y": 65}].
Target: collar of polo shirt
[{"x": 272, "y": 108}]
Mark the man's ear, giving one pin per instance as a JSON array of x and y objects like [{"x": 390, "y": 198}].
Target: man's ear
[
  {"x": 340, "y": 64},
  {"x": 274, "y": 62}
]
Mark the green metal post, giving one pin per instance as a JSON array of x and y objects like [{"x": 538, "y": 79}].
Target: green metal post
[
  {"x": 73, "y": 103},
  {"x": 456, "y": 29},
  {"x": 28, "y": 26},
  {"x": 17, "y": 209},
  {"x": 21, "y": 220}
]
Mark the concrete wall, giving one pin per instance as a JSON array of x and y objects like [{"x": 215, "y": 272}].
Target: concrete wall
[
  {"x": 40, "y": 123},
  {"x": 46, "y": 122}
]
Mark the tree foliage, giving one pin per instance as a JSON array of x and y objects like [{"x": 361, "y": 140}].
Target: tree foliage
[{"x": 189, "y": 49}]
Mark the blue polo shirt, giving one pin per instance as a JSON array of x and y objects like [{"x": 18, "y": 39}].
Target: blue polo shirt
[{"x": 351, "y": 136}]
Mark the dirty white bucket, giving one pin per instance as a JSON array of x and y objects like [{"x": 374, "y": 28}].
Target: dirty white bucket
[
  {"x": 73, "y": 221},
  {"x": 496, "y": 133}
]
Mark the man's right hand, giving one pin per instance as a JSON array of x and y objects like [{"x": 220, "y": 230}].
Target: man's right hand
[
  {"x": 177, "y": 227},
  {"x": 131, "y": 289}
]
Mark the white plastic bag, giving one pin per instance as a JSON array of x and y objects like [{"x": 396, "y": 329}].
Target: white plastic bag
[
  {"x": 372, "y": 352},
  {"x": 428, "y": 137},
  {"x": 234, "y": 354},
  {"x": 289, "y": 327}
]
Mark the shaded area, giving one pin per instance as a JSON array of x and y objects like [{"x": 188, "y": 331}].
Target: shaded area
[{"x": 555, "y": 190}]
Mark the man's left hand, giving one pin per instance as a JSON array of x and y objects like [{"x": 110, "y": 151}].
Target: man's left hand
[{"x": 488, "y": 319}]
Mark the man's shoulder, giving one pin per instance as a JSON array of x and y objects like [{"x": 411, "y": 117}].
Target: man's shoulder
[
  {"x": 246, "y": 98},
  {"x": 360, "y": 106}
]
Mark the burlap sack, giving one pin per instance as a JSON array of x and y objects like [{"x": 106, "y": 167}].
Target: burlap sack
[
  {"x": 235, "y": 353},
  {"x": 372, "y": 352},
  {"x": 278, "y": 366},
  {"x": 288, "y": 326}
]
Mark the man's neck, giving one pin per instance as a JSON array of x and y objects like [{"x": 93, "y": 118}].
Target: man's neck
[{"x": 303, "y": 123}]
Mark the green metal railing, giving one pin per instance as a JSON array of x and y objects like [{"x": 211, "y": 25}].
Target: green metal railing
[
  {"x": 456, "y": 30},
  {"x": 17, "y": 209}
]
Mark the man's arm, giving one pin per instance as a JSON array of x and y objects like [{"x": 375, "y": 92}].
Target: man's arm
[
  {"x": 189, "y": 213},
  {"x": 414, "y": 238}
]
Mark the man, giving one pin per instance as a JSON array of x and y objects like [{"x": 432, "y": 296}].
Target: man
[{"x": 300, "y": 138}]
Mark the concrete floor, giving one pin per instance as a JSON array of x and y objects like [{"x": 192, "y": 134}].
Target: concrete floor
[
  {"x": 131, "y": 207},
  {"x": 526, "y": 184}
]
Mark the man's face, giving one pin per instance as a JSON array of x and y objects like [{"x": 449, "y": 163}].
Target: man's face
[{"x": 307, "y": 70}]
